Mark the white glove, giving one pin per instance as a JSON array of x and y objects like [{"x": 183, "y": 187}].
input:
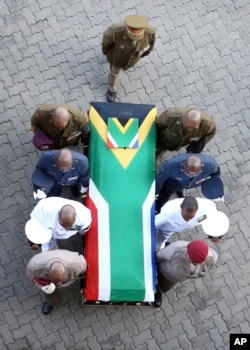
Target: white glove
[
  {"x": 39, "y": 194},
  {"x": 83, "y": 189},
  {"x": 83, "y": 231},
  {"x": 220, "y": 199},
  {"x": 49, "y": 289}
]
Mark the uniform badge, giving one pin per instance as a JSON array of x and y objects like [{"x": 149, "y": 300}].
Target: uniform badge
[
  {"x": 195, "y": 139},
  {"x": 72, "y": 178},
  {"x": 202, "y": 218},
  {"x": 122, "y": 46},
  {"x": 76, "y": 228},
  {"x": 202, "y": 180}
]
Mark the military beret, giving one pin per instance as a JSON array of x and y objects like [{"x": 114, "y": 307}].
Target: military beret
[
  {"x": 213, "y": 188},
  {"x": 41, "y": 139},
  {"x": 136, "y": 21},
  {"x": 197, "y": 251}
]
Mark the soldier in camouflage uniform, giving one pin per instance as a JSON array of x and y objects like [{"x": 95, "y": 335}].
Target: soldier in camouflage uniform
[
  {"x": 125, "y": 44},
  {"x": 56, "y": 126},
  {"x": 181, "y": 126}
]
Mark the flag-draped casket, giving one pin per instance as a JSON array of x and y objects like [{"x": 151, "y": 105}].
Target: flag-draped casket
[{"x": 120, "y": 245}]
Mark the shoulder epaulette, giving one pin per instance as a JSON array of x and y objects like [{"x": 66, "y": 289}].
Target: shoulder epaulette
[
  {"x": 150, "y": 30},
  {"x": 118, "y": 27}
]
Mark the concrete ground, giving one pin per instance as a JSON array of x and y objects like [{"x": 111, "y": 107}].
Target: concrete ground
[{"x": 50, "y": 52}]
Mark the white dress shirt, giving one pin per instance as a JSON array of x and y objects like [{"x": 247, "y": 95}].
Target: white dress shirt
[{"x": 46, "y": 211}]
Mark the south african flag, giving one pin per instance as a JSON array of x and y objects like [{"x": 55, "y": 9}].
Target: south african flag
[{"x": 120, "y": 244}]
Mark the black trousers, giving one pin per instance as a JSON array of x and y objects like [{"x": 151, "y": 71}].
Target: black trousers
[
  {"x": 51, "y": 299},
  {"x": 73, "y": 243},
  {"x": 163, "y": 284},
  {"x": 196, "y": 146}
]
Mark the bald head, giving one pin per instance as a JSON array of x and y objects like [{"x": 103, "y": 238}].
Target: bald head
[
  {"x": 64, "y": 159},
  {"x": 60, "y": 118},
  {"x": 57, "y": 272},
  {"x": 67, "y": 216},
  {"x": 192, "y": 119},
  {"x": 192, "y": 165}
]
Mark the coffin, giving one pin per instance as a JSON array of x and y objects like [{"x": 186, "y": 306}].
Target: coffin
[{"x": 120, "y": 245}]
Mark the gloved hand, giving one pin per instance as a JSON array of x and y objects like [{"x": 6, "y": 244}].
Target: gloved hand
[
  {"x": 219, "y": 199},
  {"x": 39, "y": 194},
  {"x": 83, "y": 231},
  {"x": 83, "y": 189},
  {"x": 49, "y": 289},
  {"x": 197, "y": 274}
]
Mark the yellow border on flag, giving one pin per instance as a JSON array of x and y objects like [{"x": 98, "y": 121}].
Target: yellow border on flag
[{"x": 124, "y": 156}]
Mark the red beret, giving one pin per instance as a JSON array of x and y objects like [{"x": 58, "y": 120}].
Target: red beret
[
  {"x": 41, "y": 139},
  {"x": 197, "y": 251}
]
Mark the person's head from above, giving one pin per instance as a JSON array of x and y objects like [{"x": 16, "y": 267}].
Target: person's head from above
[
  {"x": 60, "y": 118},
  {"x": 67, "y": 216},
  {"x": 64, "y": 160},
  {"x": 135, "y": 26},
  {"x": 57, "y": 272},
  {"x": 197, "y": 252},
  {"x": 189, "y": 208},
  {"x": 192, "y": 165},
  {"x": 192, "y": 119}
]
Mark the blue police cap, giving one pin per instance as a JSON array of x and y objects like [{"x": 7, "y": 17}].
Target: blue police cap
[
  {"x": 213, "y": 188},
  {"x": 42, "y": 180}
]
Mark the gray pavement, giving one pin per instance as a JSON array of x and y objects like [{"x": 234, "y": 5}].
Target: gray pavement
[{"x": 50, "y": 52}]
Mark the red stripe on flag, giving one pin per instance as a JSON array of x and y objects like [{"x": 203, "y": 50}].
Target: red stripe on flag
[
  {"x": 91, "y": 255},
  {"x": 110, "y": 144}
]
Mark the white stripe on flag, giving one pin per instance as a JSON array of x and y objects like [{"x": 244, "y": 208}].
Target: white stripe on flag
[
  {"x": 103, "y": 242},
  {"x": 134, "y": 141},
  {"x": 112, "y": 140},
  {"x": 147, "y": 246}
]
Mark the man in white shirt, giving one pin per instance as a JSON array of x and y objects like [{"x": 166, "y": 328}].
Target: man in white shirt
[
  {"x": 179, "y": 215},
  {"x": 64, "y": 217}
]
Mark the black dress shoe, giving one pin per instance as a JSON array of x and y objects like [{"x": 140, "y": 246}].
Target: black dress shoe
[
  {"x": 46, "y": 308},
  {"x": 111, "y": 96},
  {"x": 158, "y": 298}
]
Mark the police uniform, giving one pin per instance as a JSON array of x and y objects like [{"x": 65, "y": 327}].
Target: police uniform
[
  {"x": 121, "y": 51},
  {"x": 172, "y": 177},
  {"x": 79, "y": 173},
  {"x": 172, "y": 135},
  {"x": 77, "y": 126}
]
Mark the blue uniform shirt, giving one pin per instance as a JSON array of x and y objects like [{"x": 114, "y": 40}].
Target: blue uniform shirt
[
  {"x": 174, "y": 169},
  {"x": 78, "y": 173}
]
